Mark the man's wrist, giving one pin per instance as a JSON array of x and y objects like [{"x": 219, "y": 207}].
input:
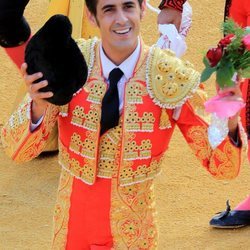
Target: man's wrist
[
  {"x": 37, "y": 111},
  {"x": 34, "y": 126},
  {"x": 235, "y": 137},
  {"x": 234, "y": 130}
]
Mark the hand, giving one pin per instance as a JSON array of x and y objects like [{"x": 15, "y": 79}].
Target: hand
[
  {"x": 39, "y": 104},
  {"x": 170, "y": 16}
]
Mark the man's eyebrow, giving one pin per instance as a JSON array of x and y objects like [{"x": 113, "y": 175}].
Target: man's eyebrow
[
  {"x": 108, "y": 6},
  {"x": 129, "y": 2}
]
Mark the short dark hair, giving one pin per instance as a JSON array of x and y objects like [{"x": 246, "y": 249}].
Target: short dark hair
[{"x": 91, "y": 5}]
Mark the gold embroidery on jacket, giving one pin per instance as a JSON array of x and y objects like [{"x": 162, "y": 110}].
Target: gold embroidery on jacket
[
  {"x": 16, "y": 127},
  {"x": 85, "y": 172},
  {"x": 61, "y": 213},
  {"x": 127, "y": 175},
  {"x": 88, "y": 120},
  {"x": 84, "y": 148},
  {"x": 199, "y": 142},
  {"x": 135, "y": 123},
  {"x": 18, "y": 142},
  {"x": 224, "y": 160},
  {"x": 109, "y": 154},
  {"x": 132, "y": 216},
  {"x": 135, "y": 92},
  {"x": 198, "y": 100},
  {"x": 87, "y": 47},
  {"x": 197, "y": 103},
  {"x": 135, "y": 152},
  {"x": 164, "y": 120},
  {"x": 96, "y": 91},
  {"x": 228, "y": 162}
]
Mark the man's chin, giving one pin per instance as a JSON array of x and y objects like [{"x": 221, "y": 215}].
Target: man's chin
[{"x": 125, "y": 45}]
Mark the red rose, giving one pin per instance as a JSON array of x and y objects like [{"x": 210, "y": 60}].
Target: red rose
[
  {"x": 214, "y": 55},
  {"x": 226, "y": 40},
  {"x": 246, "y": 41}
]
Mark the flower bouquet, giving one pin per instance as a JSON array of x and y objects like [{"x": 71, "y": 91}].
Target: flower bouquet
[{"x": 230, "y": 61}]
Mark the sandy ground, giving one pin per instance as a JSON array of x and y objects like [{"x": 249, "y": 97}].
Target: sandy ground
[{"x": 187, "y": 196}]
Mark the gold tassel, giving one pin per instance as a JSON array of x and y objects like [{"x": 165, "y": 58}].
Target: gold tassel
[{"x": 164, "y": 120}]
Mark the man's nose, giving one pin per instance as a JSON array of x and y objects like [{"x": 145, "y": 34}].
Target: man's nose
[{"x": 121, "y": 17}]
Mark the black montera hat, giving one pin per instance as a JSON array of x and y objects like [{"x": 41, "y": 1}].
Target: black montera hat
[
  {"x": 14, "y": 30},
  {"x": 53, "y": 52}
]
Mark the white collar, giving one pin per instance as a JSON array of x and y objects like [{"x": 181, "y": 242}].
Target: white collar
[{"x": 126, "y": 66}]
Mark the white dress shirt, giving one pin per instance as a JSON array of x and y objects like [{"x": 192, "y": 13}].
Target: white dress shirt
[{"x": 127, "y": 67}]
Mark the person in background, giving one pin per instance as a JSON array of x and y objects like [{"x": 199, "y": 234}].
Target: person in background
[{"x": 239, "y": 11}]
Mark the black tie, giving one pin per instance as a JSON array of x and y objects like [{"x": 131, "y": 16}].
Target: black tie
[{"x": 110, "y": 102}]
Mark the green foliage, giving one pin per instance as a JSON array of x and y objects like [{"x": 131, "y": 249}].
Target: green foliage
[
  {"x": 236, "y": 58},
  {"x": 234, "y": 51},
  {"x": 230, "y": 27},
  {"x": 224, "y": 74},
  {"x": 245, "y": 73},
  {"x": 208, "y": 71}
]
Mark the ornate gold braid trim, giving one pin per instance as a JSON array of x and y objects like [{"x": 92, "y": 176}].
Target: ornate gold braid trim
[{"x": 61, "y": 213}]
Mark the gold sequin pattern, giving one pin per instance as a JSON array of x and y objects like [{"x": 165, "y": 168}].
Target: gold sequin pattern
[
  {"x": 128, "y": 175},
  {"x": 135, "y": 92},
  {"x": 136, "y": 123},
  {"x": 109, "y": 153},
  {"x": 96, "y": 91},
  {"x": 85, "y": 148},
  {"x": 134, "y": 151},
  {"x": 85, "y": 171},
  {"x": 88, "y": 120}
]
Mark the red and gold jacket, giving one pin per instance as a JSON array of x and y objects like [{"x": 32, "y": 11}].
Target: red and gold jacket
[{"x": 133, "y": 151}]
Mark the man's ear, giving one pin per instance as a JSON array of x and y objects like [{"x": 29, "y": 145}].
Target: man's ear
[
  {"x": 143, "y": 8},
  {"x": 91, "y": 18}
]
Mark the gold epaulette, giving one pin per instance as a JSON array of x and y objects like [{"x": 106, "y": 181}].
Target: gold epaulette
[
  {"x": 87, "y": 48},
  {"x": 170, "y": 81}
]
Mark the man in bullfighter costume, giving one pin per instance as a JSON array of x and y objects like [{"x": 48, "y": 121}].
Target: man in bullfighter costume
[{"x": 239, "y": 11}]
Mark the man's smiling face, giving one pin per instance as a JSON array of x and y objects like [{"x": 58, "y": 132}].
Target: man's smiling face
[{"x": 119, "y": 24}]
